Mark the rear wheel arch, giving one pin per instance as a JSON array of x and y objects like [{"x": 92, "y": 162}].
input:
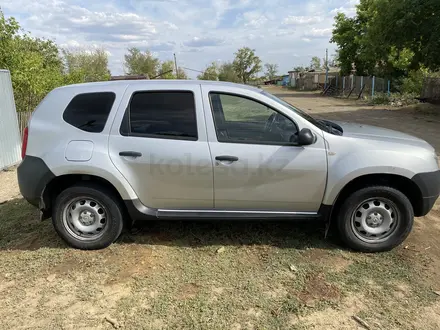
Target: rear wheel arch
[{"x": 62, "y": 182}]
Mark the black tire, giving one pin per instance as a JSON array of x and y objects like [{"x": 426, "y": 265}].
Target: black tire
[
  {"x": 114, "y": 222},
  {"x": 402, "y": 206}
]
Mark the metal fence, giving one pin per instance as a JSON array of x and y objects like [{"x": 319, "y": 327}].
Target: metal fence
[
  {"x": 431, "y": 90},
  {"x": 348, "y": 86},
  {"x": 357, "y": 86},
  {"x": 10, "y": 144}
]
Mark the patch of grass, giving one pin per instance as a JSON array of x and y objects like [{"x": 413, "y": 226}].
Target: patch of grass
[
  {"x": 377, "y": 278},
  {"x": 268, "y": 275},
  {"x": 20, "y": 227}
]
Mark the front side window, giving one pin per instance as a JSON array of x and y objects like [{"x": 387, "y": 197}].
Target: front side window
[
  {"x": 162, "y": 114},
  {"x": 239, "y": 119},
  {"x": 89, "y": 112}
]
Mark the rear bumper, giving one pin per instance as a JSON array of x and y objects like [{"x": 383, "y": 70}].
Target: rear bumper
[
  {"x": 33, "y": 175},
  {"x": 429, "y": 185}
]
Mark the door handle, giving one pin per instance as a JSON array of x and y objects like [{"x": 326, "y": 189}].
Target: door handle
[
  {"x": 226, "y": 158},
  {"x": 130, "y": 154}
]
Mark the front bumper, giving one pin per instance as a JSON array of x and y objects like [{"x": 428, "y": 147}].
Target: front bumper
[{"x": 429, "y": 185}]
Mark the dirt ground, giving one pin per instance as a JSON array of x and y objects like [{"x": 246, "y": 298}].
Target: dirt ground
[{"x": 224, "y": 275}]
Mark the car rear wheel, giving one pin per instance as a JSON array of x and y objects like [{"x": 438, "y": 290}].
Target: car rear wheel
[
  {"x": 87, "y": 216},
  {"x": 375, "y": 219}
]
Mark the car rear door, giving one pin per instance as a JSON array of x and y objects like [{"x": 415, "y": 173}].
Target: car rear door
[
  {"x": 256, "y": 168},
  {"x": 159, "y": 144}
]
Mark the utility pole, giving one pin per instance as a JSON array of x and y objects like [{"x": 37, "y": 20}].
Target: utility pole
[
  {"x": 175, "y": 63},
  {"x": 326, "y": 68}
]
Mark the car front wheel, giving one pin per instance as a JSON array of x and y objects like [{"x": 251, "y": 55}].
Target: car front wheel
[{"x": 375, "y": 219}]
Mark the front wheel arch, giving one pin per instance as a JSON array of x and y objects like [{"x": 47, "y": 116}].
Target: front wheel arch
[{"x": 408, "y": 187}]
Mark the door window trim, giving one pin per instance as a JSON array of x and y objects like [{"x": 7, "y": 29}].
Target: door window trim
[
  {"x": 290, "y": 144},
  {"x": 125, "y": 127}
]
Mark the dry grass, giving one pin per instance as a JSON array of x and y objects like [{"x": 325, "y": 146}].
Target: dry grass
[{"x": 169, "y": 275}]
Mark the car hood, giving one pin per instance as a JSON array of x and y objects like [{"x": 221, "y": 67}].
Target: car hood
[{"x": 374, "y": 133}]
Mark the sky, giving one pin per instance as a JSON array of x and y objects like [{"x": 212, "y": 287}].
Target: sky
[{"x": 286, "y": 32}]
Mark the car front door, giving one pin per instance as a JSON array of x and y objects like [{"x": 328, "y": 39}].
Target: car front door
[
  {"x": 257, "y": 166},
  {"x": 159, "y": 143}
]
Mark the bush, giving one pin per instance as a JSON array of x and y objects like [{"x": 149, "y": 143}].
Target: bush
[
  {"x": 413, "y": 84},
  {"x": 381, "y": 98},
  {"x": 396, "y": 99},
  {"x": 403, "y": 99}
]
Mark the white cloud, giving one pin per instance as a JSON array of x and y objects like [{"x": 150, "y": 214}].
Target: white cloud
[
  {"x": 282, "y": 33},
  {"x": 203, "y": 42},
  {"x": 171, "y": 25},
  {"x": 198, "y": 31},
  {"x": 254, "y": 19},
  {"x": 301, "y": 20},
  {"x": 319, "y": 33},
  {"x": 349, "y": 11},
  {"x": 71, "y": 44}
]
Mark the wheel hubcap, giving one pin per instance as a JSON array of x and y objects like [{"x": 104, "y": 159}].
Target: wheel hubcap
[
  {"x": 374, "y": 220},
  {"x": 85, "y": 218}
]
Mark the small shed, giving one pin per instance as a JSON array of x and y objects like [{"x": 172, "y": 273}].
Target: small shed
[{"x": 10, "y": 141}]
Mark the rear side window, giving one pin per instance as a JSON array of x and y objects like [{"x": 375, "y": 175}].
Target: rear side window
[
  {"x": 89, "y": 112},
  {"x": 162, "y": 114}
]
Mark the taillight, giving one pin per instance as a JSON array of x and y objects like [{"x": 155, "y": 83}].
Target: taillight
[{"x": 24, "y": 144}]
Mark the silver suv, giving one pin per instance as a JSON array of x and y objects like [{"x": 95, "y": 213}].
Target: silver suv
[{"x": 99, "y": 156}]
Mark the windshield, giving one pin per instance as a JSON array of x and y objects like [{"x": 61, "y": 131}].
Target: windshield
[{"x": 302, "y": 113}]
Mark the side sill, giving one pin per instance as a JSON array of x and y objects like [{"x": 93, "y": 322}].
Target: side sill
[
  {"x": 138, "y": 211},
  {"x": 223, "y": 214}
]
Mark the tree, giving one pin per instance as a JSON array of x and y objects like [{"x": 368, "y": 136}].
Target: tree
[
  {"x": 37, "y": 67},
  {"x": 227, "y": 72},
  {"x": 210, "y": 73},
  {"x": 167, "y": 70},
  {"x": 300, "y": 69},
  {"x": 315, "y": 63},
  {"x": 9, "y": 30},
  {"x": 181, "y": 74},
  {"x": 246, "y": 64},
  {"x": 369, "y": 43},
  {"x": 271, "y": 70},
  {"x": 91, "y": 64},
  {"x": 34, "y": 63},
  {"x": 141, "y": 63}
]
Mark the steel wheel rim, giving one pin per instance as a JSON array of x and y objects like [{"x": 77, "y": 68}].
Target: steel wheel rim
[
  {"x": 375, "y": 220},
  {"x": 85, "y": 218}
]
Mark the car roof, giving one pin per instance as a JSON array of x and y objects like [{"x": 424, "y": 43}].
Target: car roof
[{"x": 160, "y": 82}]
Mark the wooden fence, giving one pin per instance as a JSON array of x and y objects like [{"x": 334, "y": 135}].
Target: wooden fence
[
  {"x": 431, "y": 90},
  {"x": 23, "y": 119}
]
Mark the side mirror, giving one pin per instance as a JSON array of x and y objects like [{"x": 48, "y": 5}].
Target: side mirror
[{"x": 306, "y": 137}]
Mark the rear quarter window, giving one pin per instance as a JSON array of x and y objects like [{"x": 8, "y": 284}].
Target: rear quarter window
[{"x": 89, "y": 112}]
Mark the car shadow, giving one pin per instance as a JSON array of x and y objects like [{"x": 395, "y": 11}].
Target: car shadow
[{"x": 20, "y": 229}]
